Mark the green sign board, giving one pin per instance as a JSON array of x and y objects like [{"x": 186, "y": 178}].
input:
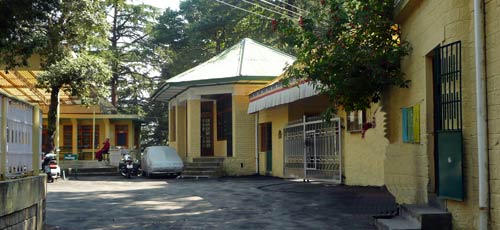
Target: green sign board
[{"x": 69, "y": 156}]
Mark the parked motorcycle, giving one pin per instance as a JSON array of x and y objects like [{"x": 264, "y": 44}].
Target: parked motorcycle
[
  {"x": 51, "y": 167},
  {"x": 128, "y": 167}
]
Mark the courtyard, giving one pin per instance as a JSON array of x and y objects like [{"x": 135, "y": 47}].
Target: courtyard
[{"x": 113, "y": 202}]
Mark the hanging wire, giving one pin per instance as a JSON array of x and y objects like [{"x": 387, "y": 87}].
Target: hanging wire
[
  {"x": 288, "y": 4},
  {"x": 280, "y": 7},
  {"x": 268, "y": 9},
  {"x": 248, "y": 11}
]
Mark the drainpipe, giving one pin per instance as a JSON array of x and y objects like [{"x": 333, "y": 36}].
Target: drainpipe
[
  {"x": 257, "y": 143},
  {"x": 481, "y": 113}
]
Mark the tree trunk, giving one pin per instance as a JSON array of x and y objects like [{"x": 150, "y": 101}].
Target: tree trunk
[
  {"x": 52, "y": 117},
  {"x": 114, "y": 62}
]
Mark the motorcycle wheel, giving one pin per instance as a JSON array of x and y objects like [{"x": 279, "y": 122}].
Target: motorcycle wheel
[
  {"x": 124, "y": 174},
  {"x": 128, "y": 174}
]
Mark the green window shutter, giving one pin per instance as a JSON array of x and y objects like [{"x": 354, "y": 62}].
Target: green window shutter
[{"x": 404, "y": 116}]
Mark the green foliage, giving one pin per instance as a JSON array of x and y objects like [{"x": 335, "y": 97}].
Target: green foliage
[
  {"x": 202, "y": 29},
  {"x": 55, "y": 31},
  {"x": 350, "y": 50},
  {"x": 51, "y": 29},
  {"x": 84, "y": 76},
  {"x": 132, "y": 56}
]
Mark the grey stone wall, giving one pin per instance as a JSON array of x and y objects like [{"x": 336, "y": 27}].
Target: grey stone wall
[{"x": 23, "y": 203}]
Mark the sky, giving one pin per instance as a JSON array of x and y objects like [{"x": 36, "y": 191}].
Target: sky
[{"x": 163, "y": 4}]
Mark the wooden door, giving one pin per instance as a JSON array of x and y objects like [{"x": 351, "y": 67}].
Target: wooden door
[{"x": 207, "y": 129}]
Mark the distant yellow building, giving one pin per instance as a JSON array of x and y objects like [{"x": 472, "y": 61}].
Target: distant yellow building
[{"x": 76, "y": 122}]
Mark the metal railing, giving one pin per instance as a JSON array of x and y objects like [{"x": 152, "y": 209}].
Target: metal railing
[{"x": 312, "y": 150}]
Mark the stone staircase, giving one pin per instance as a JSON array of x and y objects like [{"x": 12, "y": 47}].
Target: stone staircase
[
  {"x": 203, "y": 167},
  {"x": 412, "y": 217},
  {"x": 75, "y": 168}
]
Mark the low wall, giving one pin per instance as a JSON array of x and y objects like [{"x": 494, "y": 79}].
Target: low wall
[{"x": 22, "y": 203}]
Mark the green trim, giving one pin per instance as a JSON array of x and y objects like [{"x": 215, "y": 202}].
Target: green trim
[{"x": 223, "y": 81}]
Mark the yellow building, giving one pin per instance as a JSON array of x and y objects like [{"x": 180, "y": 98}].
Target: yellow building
[
  {"x": 441, "y": 149},
  {"x": 428, "y": 140},
  {"x": 208, "y": 105},
  {"x": 76, "y": 122},
  {"x": 291, "y": 126}
]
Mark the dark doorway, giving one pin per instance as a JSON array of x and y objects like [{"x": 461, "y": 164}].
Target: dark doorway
[
  {"x": 207, "y": 129},
  {"x": 266, "y": 144}
]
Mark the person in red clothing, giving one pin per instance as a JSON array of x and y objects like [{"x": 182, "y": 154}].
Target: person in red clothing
[{"x": 104, "y": 151}]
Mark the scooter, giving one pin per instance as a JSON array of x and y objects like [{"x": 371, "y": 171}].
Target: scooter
[
  {"x": 51, "y": 167},
  {"x": 127, "y": 167}
]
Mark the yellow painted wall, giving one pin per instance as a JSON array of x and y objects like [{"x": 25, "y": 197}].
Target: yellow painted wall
[
  {"x": 492, "y": 31},
  {"x": 363, "y": 158},
  {"x": 243, "y": 139},
  {"x": 193, "y": 129},
  {"x": 181, "y": 135},
  {"x": 409, "y": 167},
  {"x": 75, "y": 109},
  {"x": 278, "y": 116}
]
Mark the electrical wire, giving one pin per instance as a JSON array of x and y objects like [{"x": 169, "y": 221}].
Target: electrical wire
[
  {"x": 268, "y": 9},
  {"x": 280, "y": 7},
  {"x": 288, "y": 4},
  {"x": 248, "y": 11}
]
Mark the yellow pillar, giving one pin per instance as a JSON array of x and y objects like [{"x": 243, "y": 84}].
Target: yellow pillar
[
  {"x": 3, "y": 139},
  {"x": 193, "y": 128},
  {"x": 107, "y": 128},
  {"x": 180, "y": 132},
  {"x": 35, "y": 140},
  {"x": 131, "y": 135},
  {"x": 57, "y": 144},
  {"x": 74, "y": 136}
]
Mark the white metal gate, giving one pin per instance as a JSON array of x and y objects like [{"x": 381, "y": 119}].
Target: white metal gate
[{"x": 312, "y": 149}]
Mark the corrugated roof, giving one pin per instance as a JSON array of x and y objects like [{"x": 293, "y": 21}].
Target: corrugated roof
[{"x": 246, "y": 61}]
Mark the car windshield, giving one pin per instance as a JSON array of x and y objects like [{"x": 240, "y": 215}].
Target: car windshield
[{"x": 163, "y": 154}]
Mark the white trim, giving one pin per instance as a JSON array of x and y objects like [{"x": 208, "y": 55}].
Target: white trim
[{"x": 286, "y": 96}]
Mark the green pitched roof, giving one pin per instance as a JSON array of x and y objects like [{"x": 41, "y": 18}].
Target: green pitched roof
[{"x": 248, "y": 60}]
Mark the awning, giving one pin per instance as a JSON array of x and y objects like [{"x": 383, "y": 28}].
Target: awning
[
  {"x": 278, "y": 94},
  {"x": 22, "y": 84}
]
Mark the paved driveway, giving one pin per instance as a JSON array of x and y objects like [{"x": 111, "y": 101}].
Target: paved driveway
[{"x": 228, "y": 203}]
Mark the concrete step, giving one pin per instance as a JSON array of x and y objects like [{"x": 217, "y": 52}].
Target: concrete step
[
  {"x": 396, "y": 223},
  {"x": 416, "y": 217},
  {"x": 199, "y": 168},
  {"x": 429, "y": 217},
  {"x": 208, "y": 159},
  {"x": 83, "y": 164},
  {"x": 102, "y": 169},
  {"x": 194, "y": 176},
  {"x": 203, "y": 164},
  {"x": 197, "y": 172}
]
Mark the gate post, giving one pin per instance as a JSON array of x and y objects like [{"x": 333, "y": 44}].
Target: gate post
[
  {"x": 305, "y": 146},
  {"x": 3, "y": 138}
]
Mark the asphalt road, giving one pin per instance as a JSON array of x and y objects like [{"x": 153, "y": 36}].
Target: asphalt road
[{"x": 227, "y": 203}]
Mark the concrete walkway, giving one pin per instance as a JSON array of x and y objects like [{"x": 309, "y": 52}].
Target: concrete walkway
[{"x": 228, "y": 203}]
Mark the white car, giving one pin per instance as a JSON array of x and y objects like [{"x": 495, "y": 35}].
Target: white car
[{"x": 161, "y": 160}]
